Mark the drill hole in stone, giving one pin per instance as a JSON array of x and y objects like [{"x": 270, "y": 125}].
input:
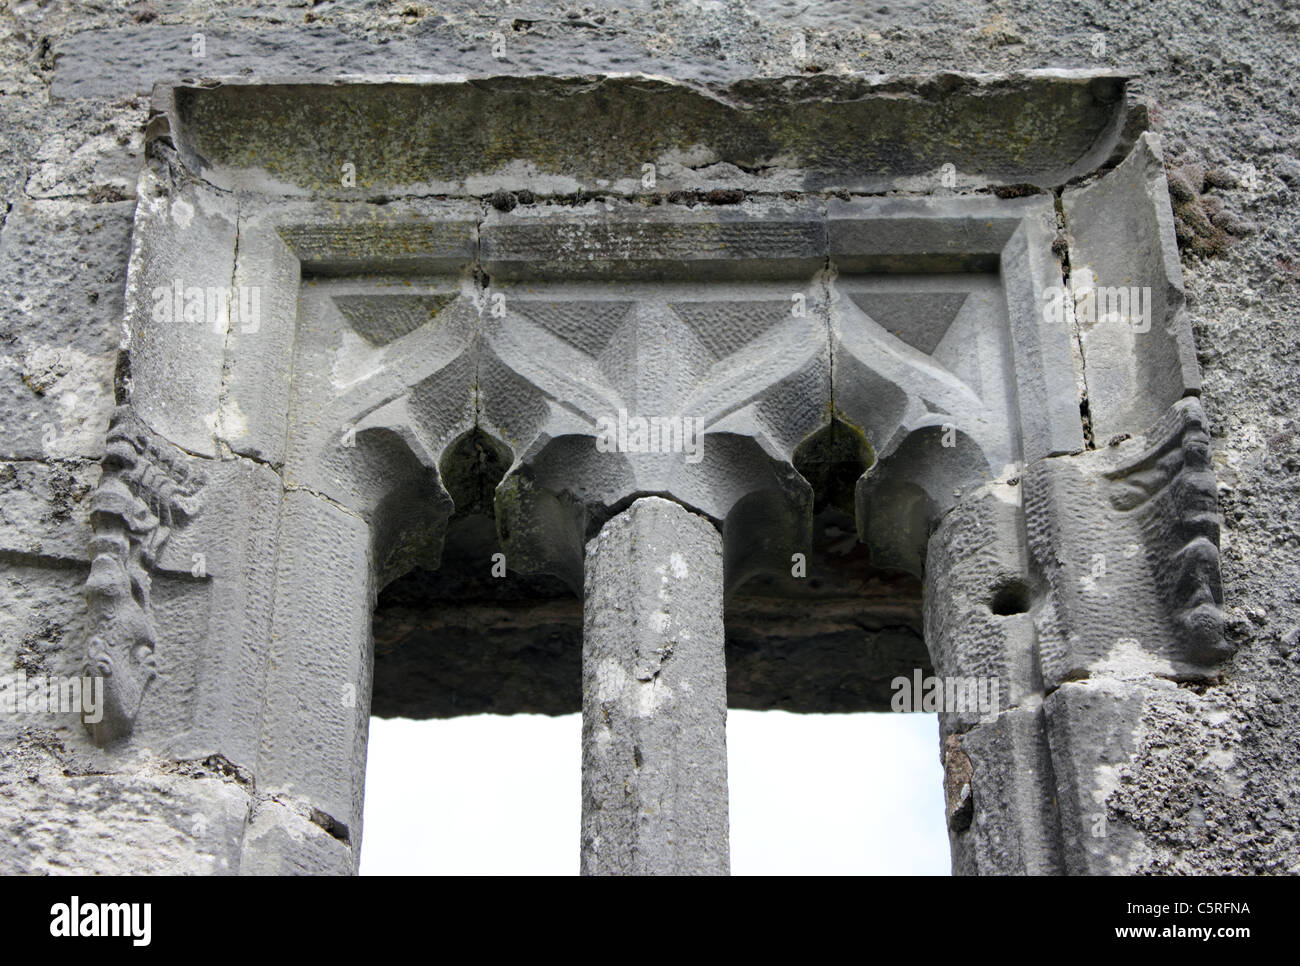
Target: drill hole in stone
[{"x": 1011, "y": 597}]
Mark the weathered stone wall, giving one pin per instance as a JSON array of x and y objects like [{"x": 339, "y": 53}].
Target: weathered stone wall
[{"x": 1214, "y": 785}]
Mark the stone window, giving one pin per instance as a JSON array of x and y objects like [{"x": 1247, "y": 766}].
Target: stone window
[{"x": 614, "y": 394}]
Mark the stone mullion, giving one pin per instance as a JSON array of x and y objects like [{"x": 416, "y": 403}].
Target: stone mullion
[{"x": 654, "y": 706}]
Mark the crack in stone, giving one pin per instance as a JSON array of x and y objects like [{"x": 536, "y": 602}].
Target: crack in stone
[
  {"x": 216, "y": 765},
  {"x": 223, "y": 392},
  {"x": 1063, "y": 228},
  {"x": 324, "y": 498},
  {"x": 332, "y": 825}
]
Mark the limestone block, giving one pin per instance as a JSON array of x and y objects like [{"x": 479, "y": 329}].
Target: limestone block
[
  {"x": 1009, "y": 826},
  {"x": 384, "y": 364},
  {"x": 754, "y": 240},
  {"x": 979, "y": 599},
  {"x": 155, "y": 822},
  {"x": 1093, "y": 727},
  {"x": 1042, "y": 344},
  {"x": 62, "y": 272},
  {"x": 718, "y": 127},
  {"x": 406, "y": 236},
  {"x": 42, "y": 635},
  {"x": 178, "y": 307},
  {"x": 45, "y": 510},
  {"x": 92, "y": 149},
  {"x": 942, "y": 359},
  {"x": 942, "y": 233},
  {"x": 285, "y": 837},
  {"x": 232, "y": 547},
  {"x": 313, "y": 738},
  {"x": 1127, "y": 288}
]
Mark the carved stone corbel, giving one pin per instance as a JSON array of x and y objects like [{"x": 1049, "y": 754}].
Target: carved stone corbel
[
  {"x": 1169, "y": 491},
  {"x": 1126, "y": 539},
  {"x": 146, "y": 491}
]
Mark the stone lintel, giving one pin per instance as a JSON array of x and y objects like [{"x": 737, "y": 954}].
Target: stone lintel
[{"x": 453, "y": 135}]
